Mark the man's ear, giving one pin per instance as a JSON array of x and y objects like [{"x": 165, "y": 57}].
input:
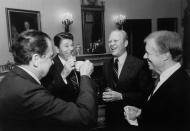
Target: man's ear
[
  {"x": 35, "y": 60},
  {"x": 126, "y": 43},
  {"x": 166, "y": 56}
]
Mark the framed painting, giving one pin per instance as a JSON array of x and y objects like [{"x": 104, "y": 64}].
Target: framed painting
[{"x": 19, "y": 21}]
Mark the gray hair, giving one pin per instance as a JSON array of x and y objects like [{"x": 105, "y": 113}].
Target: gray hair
[{"x": 168, "y": 41}]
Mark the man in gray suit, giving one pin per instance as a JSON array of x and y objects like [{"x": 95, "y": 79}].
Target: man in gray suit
[{"x": 25, "y": 105}]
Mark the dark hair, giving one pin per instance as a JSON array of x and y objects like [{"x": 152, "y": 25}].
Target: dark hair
[
  {"x": 63, "y": 35},
  {"x": 168, "y": 41},
  {"x": 29, "y": 43}
]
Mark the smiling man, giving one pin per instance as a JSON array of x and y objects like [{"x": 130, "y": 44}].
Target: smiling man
[
  {"x": 26, "y": 105},
  {"x": 62, "y": 79},
  {"x": 132, "y": 84},
  {"x": 163, "y": 110},
  {"x": 164, "y": 56}
]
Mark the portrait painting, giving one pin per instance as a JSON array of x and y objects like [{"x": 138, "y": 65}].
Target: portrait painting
[{"x": 19, "y": 20}]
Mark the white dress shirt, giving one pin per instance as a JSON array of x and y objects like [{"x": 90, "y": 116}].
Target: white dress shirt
[
  {"x": 166, "y": 74},
  {"x": 63, "y": 62}
]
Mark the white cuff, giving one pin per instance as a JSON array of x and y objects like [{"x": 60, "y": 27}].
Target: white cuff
[{"x": 133, "y": 122}]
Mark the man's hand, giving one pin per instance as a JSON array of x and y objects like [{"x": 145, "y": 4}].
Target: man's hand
[
  {"x": 78, "y": 64},
  {"x": 110, "y": 95},
  {"x": 68, "y": 67},
  {"x": 131, "y": 113},
  {"x": 86, "y": 68}
]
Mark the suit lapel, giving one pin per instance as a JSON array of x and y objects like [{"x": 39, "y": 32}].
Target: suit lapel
[
  {"x": 127, "y": 68},
  {"x": 166, "y": 85},
  {"x": 58, "y": 65}
]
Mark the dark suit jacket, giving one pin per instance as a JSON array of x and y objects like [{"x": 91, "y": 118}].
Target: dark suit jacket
[
  {"x": 134, "y": 83},
  {"x": 25, "y": 105},
  {"x": 168, "y": 108},
  {"x": 55, "y": 84}
]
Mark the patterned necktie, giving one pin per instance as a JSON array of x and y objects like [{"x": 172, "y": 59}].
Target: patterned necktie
[
  {"x": 155, "y": 85},
  {"x": 115, "y": 72},
  {"x": 74, "y": 79},
  {"x": 156, "y": 81}
]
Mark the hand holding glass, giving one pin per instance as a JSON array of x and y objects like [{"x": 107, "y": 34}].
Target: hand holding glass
[{"x": 131, "y": 112}]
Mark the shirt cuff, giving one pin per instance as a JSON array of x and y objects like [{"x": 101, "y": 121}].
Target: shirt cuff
[
  {"x": 133, "y": 122},
  {"x": 65, "y": 81}
]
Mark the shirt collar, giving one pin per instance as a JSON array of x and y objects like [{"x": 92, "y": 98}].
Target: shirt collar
[
  {"x": 121, "y": 59},
  {"x": 62, "y": 60},
  {"x": 167, "y": 73},
  {"x": 31, "y": 74}
]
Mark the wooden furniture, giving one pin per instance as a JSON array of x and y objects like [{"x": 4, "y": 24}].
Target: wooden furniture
[
  {"x": 101, "y": 77},
  {"x": 93, "y": 31},
  {"x": 4, "y": 69}
]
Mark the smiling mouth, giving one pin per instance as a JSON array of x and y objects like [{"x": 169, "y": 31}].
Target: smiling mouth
[
  {"x": 149, "y": 63},
  {"x": 69, "y": 54},
  {"x": 113, "y": 48}
]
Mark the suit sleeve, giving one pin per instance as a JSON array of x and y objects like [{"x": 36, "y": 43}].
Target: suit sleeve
[
  {"x": 141, "y": 86},
  {"x": 40, "y": 104}
]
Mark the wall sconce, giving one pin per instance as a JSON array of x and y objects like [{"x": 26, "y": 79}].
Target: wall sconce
[
  {"x": 120, "y": 20},
  {"x": 67, "y": 20},
  {"x": 93, "y": 2}
]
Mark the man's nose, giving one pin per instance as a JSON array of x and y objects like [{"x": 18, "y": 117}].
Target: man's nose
[
  {"x": 145, "y": 56},
  {"x": 52, "y": 62},
  {"x": 111, "y": 43}
]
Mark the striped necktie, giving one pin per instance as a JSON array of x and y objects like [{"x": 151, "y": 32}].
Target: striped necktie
[
  {"x": 115, "y": 72},
  {"x": 74, "y": 79},
  {"x": 155, "y": 85}
]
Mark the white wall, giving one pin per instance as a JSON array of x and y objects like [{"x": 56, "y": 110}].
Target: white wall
[
  {"x": 51, "y": 9},
  {"x": 143, "y": 9}
]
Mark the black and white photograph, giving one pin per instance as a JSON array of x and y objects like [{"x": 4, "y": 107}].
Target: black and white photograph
[{"x": 94, "y": 65}]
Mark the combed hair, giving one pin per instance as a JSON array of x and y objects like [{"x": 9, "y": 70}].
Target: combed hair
[
  {"x": 124, "y": 33},
  {"x": 168, "y": 41},
  {"x": 29, "y": 43},
  {"x": 63, "y": 35}
]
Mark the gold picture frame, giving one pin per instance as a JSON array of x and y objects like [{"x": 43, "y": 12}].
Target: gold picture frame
[{"x": 19, "y": 20}]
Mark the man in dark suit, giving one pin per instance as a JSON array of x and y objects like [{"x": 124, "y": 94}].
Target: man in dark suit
[
  {"x": 62, "y": 79},
  {"x": 131, "y": 84},
  {"x": 168, "y": 106},
  {"x": 26, "y": 105}
]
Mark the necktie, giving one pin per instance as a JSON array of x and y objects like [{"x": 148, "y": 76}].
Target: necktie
[
  {"x": 74, "y": 79},
  {"x": 156, "y": 81},
  {"x": 115, "y": 72},
  {"x": 155, "y": 85}
]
